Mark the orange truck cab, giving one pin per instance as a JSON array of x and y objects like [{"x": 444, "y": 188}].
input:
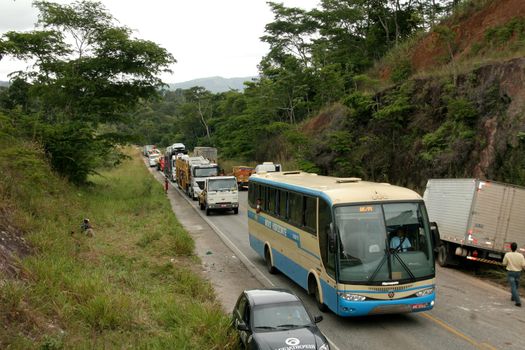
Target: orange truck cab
[{"x": 242, "y": 173}]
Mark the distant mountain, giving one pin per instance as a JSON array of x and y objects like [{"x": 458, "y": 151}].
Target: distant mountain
[
  {"x": 214, "y": 84},
  {"x": 4, "y": 83}
]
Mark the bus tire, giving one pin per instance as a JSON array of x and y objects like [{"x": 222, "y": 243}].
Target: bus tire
[
  {"x": 268, "y": 259},
  {"x": 313, "y": 288}
]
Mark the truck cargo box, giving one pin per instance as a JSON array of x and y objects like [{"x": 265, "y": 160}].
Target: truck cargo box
[{"x": 475, "y": 213}]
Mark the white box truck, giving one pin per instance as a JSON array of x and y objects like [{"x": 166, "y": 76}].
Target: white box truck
[{"x": 477, "y": 219}]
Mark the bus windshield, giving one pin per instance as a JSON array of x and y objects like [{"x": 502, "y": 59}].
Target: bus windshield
[{"x": 383, "y": 243}]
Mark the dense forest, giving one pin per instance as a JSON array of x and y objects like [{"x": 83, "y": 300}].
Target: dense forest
[{"x": 387, "y": 90}]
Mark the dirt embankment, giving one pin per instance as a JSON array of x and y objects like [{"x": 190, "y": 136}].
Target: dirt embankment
[{"x": 431, "y": 50}]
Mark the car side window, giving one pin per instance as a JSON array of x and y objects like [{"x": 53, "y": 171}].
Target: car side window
[{"x": 246, "y": 317}]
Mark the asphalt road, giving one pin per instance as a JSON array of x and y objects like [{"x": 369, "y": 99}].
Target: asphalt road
[{"x": 469, "y": 313}]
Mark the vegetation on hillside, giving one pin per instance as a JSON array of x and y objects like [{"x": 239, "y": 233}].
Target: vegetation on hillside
[
  {"x": 370, "y": 89},
  {"x": 135, "y": 284}
]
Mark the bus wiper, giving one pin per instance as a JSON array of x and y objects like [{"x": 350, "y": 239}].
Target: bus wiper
[
  {"x": 381, "y": 263},
  {"x": 407, "y": 269}
]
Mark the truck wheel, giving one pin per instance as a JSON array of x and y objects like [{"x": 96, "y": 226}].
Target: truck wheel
[
  {"x": 208, "y": 211},
  {"x": 442, "y": 255},
  {"x": 236, "y": 210}
]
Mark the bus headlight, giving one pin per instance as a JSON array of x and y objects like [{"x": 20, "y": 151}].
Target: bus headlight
[
  {"x": 424, "y": 292},
  {"x": 351, "y": 297}
]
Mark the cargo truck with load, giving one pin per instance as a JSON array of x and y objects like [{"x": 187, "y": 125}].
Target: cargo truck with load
[
  {"x": 209, "y": 153},
  {"x": 477, "y": 219},
  {"x": 191, "y": 172},
  {"x": 170, "y": 157}
]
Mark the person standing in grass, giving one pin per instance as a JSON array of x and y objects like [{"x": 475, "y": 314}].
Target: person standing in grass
[{"x": 514, "y": 262}]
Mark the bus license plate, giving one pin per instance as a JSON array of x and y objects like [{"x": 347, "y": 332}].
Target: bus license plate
[{"x": 419, "y": 306}]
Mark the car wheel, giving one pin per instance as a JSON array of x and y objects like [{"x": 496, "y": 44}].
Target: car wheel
[
  {"x": 267, "y": 257},
  {"x": 236, "y": 210}
]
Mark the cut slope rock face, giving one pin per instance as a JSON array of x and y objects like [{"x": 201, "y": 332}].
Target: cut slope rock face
[
  {"x": 12, "y": 245},
  {"x": 502, "y": 131}
]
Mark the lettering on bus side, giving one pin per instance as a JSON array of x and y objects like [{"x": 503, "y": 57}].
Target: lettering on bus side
[{"x": 277, "y": 228}]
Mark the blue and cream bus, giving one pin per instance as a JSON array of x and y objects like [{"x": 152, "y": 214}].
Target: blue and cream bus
[{"x": 360, "y": 247}]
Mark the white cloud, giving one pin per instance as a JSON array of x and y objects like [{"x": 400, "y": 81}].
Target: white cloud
[{"x": 207, "y": 37}]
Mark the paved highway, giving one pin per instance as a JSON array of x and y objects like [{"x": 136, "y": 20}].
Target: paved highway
[{"x": 469, "y": 313}]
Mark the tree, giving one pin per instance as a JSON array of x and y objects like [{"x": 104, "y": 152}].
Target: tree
[{"x": 88, "y": 74}]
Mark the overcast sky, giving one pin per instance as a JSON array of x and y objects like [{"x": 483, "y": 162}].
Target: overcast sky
[{"x": 206, "y": 37}]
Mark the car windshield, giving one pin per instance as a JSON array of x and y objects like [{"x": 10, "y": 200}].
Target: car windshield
[
  {"x": 280, "y": 316},
  {"x": 381, "y": 243},
  {"x": 206, "y": 172},
  {"x": 222, "y": 185}
]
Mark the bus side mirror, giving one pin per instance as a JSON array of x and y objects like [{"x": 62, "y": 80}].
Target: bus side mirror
[{"x": 436, "y": 239}]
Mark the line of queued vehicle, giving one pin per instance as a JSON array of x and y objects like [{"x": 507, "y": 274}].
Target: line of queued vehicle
[{"x": 263, "y": 318}]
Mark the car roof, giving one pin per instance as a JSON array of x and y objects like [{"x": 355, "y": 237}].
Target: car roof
[{"x": 270, "y": 296}]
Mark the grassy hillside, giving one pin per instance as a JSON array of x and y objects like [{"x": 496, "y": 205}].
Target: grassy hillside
[{"x": 135, "y": 284}]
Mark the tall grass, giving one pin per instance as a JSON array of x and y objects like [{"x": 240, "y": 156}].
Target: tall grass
[{"x": 135, "y": 284}]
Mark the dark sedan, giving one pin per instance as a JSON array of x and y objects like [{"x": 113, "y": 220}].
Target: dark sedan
[{"x": 276, "y": 319}]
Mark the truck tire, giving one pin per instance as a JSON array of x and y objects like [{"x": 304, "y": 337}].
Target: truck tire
[
  {"x": 236, "y": 210},
  {"x": 208, "y": 211},
  {"x": 442, "y": 256},
  {"x": 445, "y": 255}
]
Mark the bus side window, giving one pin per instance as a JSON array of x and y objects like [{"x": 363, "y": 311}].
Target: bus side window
[
  {"x": 295, "y": 207},
  {"x": 310, "y": 214},
  {"x": 282, "y": 204},
  {"x": 263, "y": 195},
  {"x": 251, "y": 194},
  {"x": 271, "y": 200}
]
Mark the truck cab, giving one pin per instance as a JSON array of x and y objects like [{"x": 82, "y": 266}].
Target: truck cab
[
  {"x": 219, "y": 194},
  {"x": 242, "y": 174},
  {"x": 199, "y": 173}
]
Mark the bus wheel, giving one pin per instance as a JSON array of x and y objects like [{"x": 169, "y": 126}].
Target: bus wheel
[
  {"x": 314, "y": 289},
  {"x": 321, "y": 306},
  {"x": 271, "y": 269}
]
